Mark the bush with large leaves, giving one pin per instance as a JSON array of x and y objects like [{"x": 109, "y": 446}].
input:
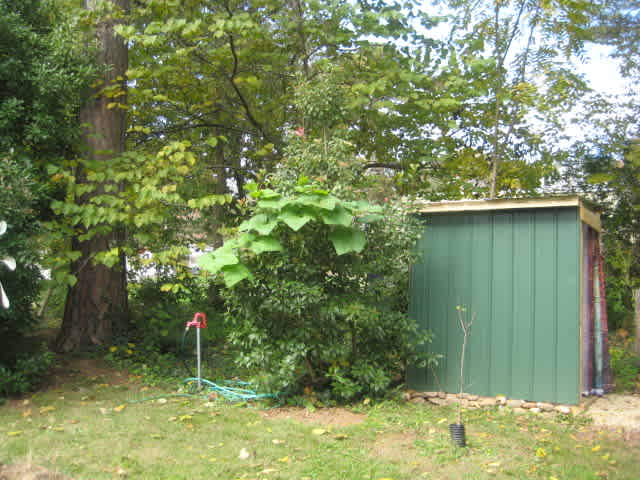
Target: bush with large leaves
[{"x": 316, "y": 293}]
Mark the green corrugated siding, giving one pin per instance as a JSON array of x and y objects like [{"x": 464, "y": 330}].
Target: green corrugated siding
[{"x": 519, "y": 272}]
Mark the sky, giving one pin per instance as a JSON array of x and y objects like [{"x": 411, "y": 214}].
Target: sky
[{"x": 602, "y": 71}]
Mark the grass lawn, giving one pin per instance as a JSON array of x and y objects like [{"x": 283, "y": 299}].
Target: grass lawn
[{"x": 90, "y": 428}]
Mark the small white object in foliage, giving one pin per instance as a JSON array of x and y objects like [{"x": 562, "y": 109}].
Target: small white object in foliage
[{"x": 11, "y": 265}]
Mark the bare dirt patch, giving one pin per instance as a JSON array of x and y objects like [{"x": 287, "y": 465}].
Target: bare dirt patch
[
  {"x": 616, "y": 411},
  {"x": 70, "y": 369},
  {"x": 28, "y": 471},
  {"x": 394, "y": 446},
  {"x": 332, "y": 417}
]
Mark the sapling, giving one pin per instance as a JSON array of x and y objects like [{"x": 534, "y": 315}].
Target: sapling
[{"x": 465, "y": 326}]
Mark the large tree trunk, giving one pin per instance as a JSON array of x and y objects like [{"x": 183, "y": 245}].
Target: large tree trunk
[{"x": 97, "y": 304}]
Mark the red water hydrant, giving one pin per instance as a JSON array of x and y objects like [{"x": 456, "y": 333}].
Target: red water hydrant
[{"x": 199, "y": 321}]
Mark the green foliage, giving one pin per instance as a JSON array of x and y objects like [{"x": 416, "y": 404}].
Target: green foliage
[
  {"x": 20, "y": 198},
  {"x": 160, "y": 313},
  {"x": 22, "y": 373},
  {"x": 42, "y": 77},
  {"x": 318, "y": 308},
  {"x": 145, "y": 359},
  {"x": 276, "y": 216},
  {"x": 155, "y": 203},
  {"x": 625, "y": 364},
  {"x": 608, "y": 171}
]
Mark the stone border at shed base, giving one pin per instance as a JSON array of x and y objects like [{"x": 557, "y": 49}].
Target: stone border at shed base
[{"x": 476, "y": 401}]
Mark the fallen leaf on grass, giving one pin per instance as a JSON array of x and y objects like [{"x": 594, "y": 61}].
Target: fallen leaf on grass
[
  {"x": 318, "y": 431},
  {"x": 267, "y": 471},
  {"x": 48, "y": 408},
  {"x": 284, "y": 459},
  {"x": 244, "y": 454},
  {"x": 541, "y": 453},
  {"x": 26, "y": 413},
  {"x": 120, "y": 408},
  {"x": 340, "y": 436},
  {"x": 596, "y": 448},
  {"x": 275, "y": 441},
  {"x": 16, "y": 433},
  {"x": 442, "y": 420}
]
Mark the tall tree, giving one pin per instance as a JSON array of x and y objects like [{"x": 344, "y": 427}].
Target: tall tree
[
  {"x": 97, "y": 303},
  {"x": 513, "y": 125}
]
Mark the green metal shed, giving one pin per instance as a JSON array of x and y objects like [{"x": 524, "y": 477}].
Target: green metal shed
[{"x": 528, "y": 270}]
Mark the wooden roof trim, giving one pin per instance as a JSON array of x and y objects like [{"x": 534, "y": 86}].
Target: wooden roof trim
[{"x": 587, "y": 215}]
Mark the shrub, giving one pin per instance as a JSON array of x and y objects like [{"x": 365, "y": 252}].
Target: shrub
[
  {"x": 316, "y": 308},
  {"x": 24, "y": 371},
  {"x": 625, "y": 364},
  {"x": 160, "y": 313}
]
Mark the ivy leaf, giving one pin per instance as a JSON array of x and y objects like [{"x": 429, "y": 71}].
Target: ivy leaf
[
  {"x": 295, "y": 218},
  {"x": 347, "y": 240},
  {"x": 261, "y": 223},
  {"x": 218, "y": 260},
  {"x": 234, "y": 274},
  {"x": 338, "y": 216},
  {"x": 265, "y": 244}
]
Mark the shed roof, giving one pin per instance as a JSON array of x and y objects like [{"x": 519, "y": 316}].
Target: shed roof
[{"x": 588, "y": 212}]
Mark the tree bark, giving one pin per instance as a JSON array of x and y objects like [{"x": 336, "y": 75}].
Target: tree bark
[{"x": 96, "y": 305}]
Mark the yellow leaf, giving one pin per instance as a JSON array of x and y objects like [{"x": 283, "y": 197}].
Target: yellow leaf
[
  {"x": 284, "y": 459},
  {"x": 541, "y": 453},
  {"x": 442, "y": 420},
  {"x": 596, "y": 448},
  {"x": 16, "y": 433},
  {"x": 553, "y": 478},
  {"x": 493, "y": 464},
  {"x": 26, "y": 413},
  {"x": 120, "y": 408},
  {"x": 48, "y": 408},
  {"x": 318, "y": 431}
]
